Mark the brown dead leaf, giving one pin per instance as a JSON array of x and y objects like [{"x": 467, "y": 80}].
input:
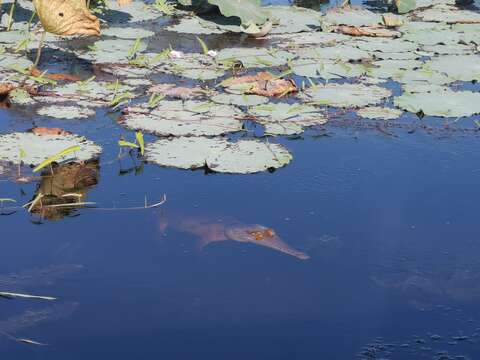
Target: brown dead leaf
[
  {"x": 123, "y": 2},
  {"x": 57, "y": 77},
  {"x": 6, "y": 88},
  {"x": 67, "y": 17},
  {"x": 44, "y": 131},
  {"x": 372, "y": 31},
  {"x": 263, "y": 84},
  {"x": 176, "y": 91}
]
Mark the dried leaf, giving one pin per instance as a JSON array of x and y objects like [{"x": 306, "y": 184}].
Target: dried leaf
[
  {"x": 41, "y": 131},
  {"x": 373, "y": 31},
  {"x": 57, "y": 77},
  {"x": 67, "y": 17},
  {"x": 6, "y": 88},
  {"x": 263, "y": 84}
]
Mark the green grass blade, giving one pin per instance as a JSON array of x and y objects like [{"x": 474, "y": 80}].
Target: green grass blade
[{"x": 55, "y": 157}]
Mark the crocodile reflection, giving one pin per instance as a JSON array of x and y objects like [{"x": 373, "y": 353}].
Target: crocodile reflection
[
  {"x": 210, "y": 230},
  {"x": 65, "y": 184}
]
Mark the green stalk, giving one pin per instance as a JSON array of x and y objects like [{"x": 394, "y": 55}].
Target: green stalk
[{"x": 10, "y": 16}]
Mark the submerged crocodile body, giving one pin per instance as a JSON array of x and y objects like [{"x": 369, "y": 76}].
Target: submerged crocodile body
[{"x": 210, "y": 230}]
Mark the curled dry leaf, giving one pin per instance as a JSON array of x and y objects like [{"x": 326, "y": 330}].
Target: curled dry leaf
[
  {"x": 57, "y": 77},
  {"x": 263, "y": 84},
  {"x": 41, "y": 131},
  {"x": 67, "y": 17},
  {"x": 373, "y": 31}
]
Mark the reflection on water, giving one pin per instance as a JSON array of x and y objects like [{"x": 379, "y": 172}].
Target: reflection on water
[{"x": 63, "y": 185}]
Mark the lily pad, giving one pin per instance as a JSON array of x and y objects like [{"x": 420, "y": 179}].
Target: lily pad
[
  {"x": 194, "y": 66},
  {"x": 347, "y": 95},
  {"x": 448, "y": 14},
  {"x": 327, "y": 69},
  {"x": 112, "y": 51},
  {"x": 20, "y": 97},
  {"x": 242, "y": 157},
  {"x": 287, "y": 119},
  {"x": 239, "y": 100},
  {"x": 137, "y": 11},
  {"x": 66, "y": 112},
  {"x": 254, "y": 57},
  {"x": 293, "y": 19},
  {"x": 127, "y": 32},
  {"x": 196, "y": 25},
  {"x": 457, "y": 67},
  {"x": 444, "y": 103},
  {"x": 373, "y": 112},
  {"x": 189, "y": 118},
  {"x": 351, "y": 16},
  {"x": 35, "y": 149}
]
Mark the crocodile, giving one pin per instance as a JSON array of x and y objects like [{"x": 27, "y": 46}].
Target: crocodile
[{"x": 209, "y": 231}]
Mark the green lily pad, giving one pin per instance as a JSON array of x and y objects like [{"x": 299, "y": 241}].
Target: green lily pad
[
  {"x": 326, "y": 69},
  {"x": 239, "y": 100},
  {"x": 340, "y": 52},
  {"x": 35, "y": 149},
  {"x": 351, "y": 16},
  {"x": 241, "y": 157},
  {"x": 444, "y": 103},
  {"x": 293, "y": 19},
  {"x": 113, "y": 51},
  {"x": 20, "y": 97},
  {"x": 137, "y": 11},
  {"x": 127, "y": 32},
  {"x": 196, "y": 25},
  {"x": 254, "y": 57},
  {"x": 287, "y": 119},
  {"x": 189, "y": 118},
  {"x": 374, "y": 112},
  {"x": 293, "y": 41},
  {"x": 347, "y": 95},
  {"x": 66, "y": 112},
  {"x": 194, "y": 66},
  {"x": 448, "y": 14},
  {"x": 457, "y": 67}
]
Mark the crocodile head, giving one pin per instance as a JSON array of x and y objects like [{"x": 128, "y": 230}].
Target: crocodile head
[{"x": 263, "y": 236}]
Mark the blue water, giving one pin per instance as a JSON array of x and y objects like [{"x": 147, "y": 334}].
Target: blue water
[{"x": 389, "y": 218}]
